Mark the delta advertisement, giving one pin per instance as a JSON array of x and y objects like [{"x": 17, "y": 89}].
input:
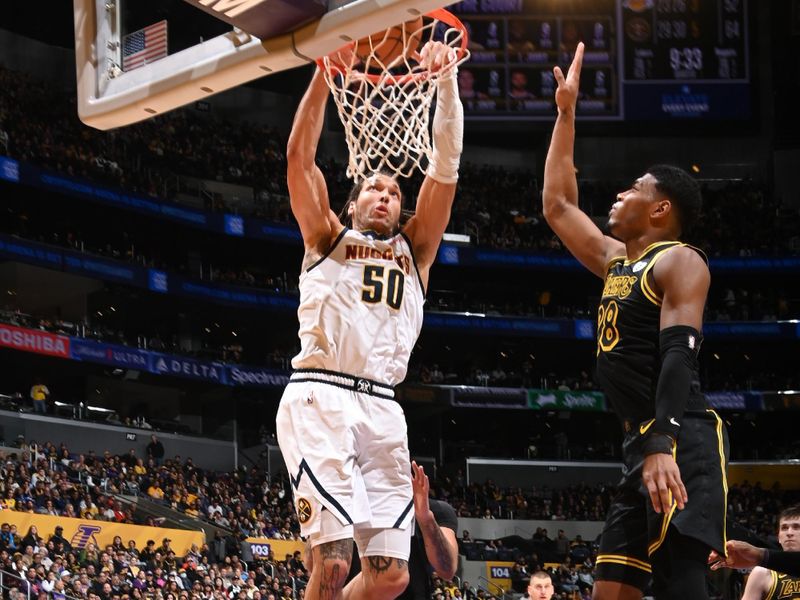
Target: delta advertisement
[
  {"x": 124, "y": 357},
  {"x": 80, "y": 532}
]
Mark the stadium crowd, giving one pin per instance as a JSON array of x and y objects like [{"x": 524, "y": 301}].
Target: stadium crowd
[
  {"x": 39, "y": 124},
  {"x": 50, "y": 480},
  {"x": 727, "y": 301}
]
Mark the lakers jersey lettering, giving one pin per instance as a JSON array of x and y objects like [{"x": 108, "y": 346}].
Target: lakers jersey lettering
[
  {"x": 619, "y": 286},
  {"x": 361, "y": 308},
  {"x": 628, "y": 326},
  {"x": 784, "y": 587}
]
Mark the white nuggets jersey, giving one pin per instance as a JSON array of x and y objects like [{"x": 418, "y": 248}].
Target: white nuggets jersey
[{"x": 361, "y": 308}]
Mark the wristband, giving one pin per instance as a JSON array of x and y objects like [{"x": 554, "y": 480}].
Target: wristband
[
  {"x": 448, "y": 130},
  {"x": 658, "y": 443}
]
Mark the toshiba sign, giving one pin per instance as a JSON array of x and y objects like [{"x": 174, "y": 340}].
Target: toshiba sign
[{"x": 33, "y": 340}]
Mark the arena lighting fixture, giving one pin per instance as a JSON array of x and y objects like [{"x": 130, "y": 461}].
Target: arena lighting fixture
[
  {"x": 458, "y": 238},
  {"x": 789, "y": 392}
]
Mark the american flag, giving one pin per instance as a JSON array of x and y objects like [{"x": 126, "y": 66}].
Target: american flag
[{"x": 144, "y": 46}]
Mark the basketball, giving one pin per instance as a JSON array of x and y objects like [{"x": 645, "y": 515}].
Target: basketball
[{"x": 388, "y": 46}]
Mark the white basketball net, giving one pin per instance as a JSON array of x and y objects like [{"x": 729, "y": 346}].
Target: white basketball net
[{"x": 385, "y": 108}]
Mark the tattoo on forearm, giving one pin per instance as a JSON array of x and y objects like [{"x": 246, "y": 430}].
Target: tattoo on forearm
[{"x": 444, "y": 556}]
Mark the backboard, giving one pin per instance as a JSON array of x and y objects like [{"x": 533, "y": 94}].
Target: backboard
[{"x": 138, "y": 59}]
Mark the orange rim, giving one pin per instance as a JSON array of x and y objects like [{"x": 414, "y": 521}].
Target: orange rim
[{"x": 440, "y": 14}]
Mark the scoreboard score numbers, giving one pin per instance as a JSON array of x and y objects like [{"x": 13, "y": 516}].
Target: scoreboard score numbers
[{"x": 644, "y": 59}]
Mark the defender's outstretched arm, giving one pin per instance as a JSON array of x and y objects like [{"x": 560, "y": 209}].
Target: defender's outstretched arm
[{"x": 560, "y": 194}]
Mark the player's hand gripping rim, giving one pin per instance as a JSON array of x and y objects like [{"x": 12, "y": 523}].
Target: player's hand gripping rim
[{"x": 437, "y": 57}]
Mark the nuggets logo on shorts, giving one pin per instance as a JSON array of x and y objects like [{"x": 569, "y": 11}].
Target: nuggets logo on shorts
[{"x": 304, "y": 510}]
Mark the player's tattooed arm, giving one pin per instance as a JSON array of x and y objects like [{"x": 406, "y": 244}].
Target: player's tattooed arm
[
  {"x": 442, "y": 551},
  {"x": 441, "y": 546}
]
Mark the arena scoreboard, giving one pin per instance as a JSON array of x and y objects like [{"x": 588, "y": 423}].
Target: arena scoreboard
[{"x": 644, "y": 59}]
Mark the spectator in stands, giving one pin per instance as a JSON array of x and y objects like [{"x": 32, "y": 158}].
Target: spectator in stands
[
  {"x": 155, "y": 491},
  {"x": 7, "y": 540},
  {"x": 58, "y": 538},
  {"x": 130, "y": 459},
  {"x": 561, "y": 545},
  {"x": 39, "y": 394},
  {"x": 520, "y": 578},
  {"x": 214, "y": 510},
  {"x": 148, "y": 553},
  {"x": 579, "y": 552},
  {"x": 155, "y": 450},
  {"x": 31, "y": 539}
]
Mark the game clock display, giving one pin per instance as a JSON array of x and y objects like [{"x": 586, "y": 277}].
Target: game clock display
[
  {"x": 644, "y": 59},
  {"x": 684, "y": 40}
]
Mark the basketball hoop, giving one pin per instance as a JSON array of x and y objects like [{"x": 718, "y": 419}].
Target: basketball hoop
[{"x": 383, "y": 95}]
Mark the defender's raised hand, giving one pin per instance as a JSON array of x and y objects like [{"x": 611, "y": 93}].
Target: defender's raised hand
[{"x": 567, "y": 92}]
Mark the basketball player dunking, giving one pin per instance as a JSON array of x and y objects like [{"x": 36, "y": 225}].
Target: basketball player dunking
[
  {"x": 669, "y": 510},
  {"x": 362, "y": 288}
]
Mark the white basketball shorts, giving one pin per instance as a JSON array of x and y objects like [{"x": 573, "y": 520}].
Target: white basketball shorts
[{"x": 345, "y": 444}]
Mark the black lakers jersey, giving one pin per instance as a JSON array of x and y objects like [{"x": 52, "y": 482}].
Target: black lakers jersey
[
  {"x": 784, "y": 587},
  {"x": 628, "y": 326}
]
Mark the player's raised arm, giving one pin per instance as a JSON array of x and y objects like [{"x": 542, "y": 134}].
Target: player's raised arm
[
  {"x": 560, "y": 195},
  {"x": 441, "y": 545},
  {"x": 435, "y": 199},
  {"x": 308, "y": 193}
]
